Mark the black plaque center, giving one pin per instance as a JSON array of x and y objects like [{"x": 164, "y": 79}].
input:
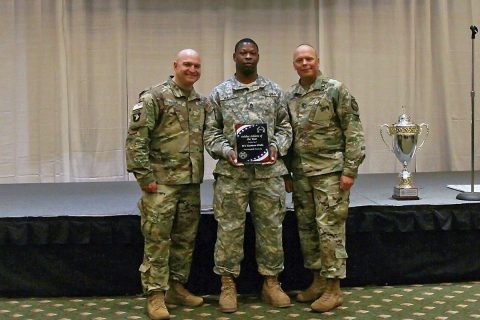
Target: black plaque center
[{"x": 252, "y": 143}]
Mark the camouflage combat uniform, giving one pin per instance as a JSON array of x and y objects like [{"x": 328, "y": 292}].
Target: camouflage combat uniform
[
  {"x": 259, "y": 186},
  {"x": 328, "y": 142},
  {"x": 165, "y": 144}
]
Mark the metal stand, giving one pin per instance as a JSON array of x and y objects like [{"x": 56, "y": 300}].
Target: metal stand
[{"x": 472, "y": 195}]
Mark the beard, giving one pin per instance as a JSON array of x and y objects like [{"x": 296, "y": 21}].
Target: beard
[{"x": 247, "y": 70}]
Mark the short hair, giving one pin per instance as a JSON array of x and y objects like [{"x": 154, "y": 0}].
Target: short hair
[{"x": 245, "y": 40}]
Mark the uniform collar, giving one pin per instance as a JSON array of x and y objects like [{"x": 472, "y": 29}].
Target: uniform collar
[
  {"x": 178, "y": 92},
  {"x": 317, "y": 85},
  {"x": 260, "y": 82}
]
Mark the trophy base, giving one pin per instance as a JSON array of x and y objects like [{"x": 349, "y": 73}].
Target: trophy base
[
  {"x": 469, "y": 196},
  {"x": 405, "y": 193}
]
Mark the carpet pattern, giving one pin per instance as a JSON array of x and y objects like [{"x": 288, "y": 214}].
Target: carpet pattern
[{"x": 433, "y": 301}]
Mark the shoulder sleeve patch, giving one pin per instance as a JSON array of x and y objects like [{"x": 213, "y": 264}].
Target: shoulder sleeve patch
[{"x": 137, "y": 111}]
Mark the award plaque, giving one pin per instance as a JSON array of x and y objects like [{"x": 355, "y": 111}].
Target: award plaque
[
  {"x": 252, "y": 143},
  {"x": 404, "y": 145}
]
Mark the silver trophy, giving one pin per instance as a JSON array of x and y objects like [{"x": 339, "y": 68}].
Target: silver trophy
[{"x": 405, "y": 137}]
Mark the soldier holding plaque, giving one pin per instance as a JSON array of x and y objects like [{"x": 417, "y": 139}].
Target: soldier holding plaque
[
  {"x": 248, "y": 130},
  {"x": 328, "y": 147}
]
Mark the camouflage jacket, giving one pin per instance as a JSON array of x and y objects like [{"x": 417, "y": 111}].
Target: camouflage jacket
[
  {"x": 235, "y": 103},
  {"x": 327, "y": 132},
  {"x": 165, "y": 136}
]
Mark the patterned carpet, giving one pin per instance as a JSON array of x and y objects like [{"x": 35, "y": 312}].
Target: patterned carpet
[{"x": 435, "y": 301}]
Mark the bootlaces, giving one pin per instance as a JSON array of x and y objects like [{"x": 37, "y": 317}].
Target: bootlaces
[
  {"x": 273, "y": 283},
  {"x": 228, "y": 288},
  {"x": 326, "y": 296},
  {"x": 157, "y": 303}
]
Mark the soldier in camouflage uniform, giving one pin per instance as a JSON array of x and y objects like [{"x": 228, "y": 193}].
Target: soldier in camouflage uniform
[
  {"x": 248, "y": 98},
  {"x": 328, "y": 147},
  {"x": 164, "y": 150}
]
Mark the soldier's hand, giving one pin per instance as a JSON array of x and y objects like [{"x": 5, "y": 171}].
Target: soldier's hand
[
  {"x": 232, "y": 159},
  {"x": 151, "y": 188},
  {"x": 287, "y": 180},
  {"x": 346, "y": 182},
  {"x": 272, "y": 151}
]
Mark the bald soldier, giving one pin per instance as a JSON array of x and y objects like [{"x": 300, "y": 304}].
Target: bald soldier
[
  {"x": 164, "y": 150},
  {"x": 328, "y": 147}
]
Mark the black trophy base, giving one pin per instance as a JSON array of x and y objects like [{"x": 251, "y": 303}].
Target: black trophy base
[
  {"x": 469, "y": 196},
  {"x": 405, "y": 193}
]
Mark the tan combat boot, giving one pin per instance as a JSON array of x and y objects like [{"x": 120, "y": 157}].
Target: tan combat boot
[
  {"x": 331, "y": 298},
  {"x": 177, "y": 294},
  {"x": 315, "y": 291},
  {"x": 228, "y": 295},
  {"x": 273, "y": 294},
  {"x": 156, "y": 308}
]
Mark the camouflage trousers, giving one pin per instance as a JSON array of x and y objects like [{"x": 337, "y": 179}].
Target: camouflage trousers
[
  {"x": 169, "y": 226},
  {"x": 266, "y": 198},
  {"x": 322, "y": 209}
]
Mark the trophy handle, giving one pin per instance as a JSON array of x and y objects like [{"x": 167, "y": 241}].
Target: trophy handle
[
  {"x": 389, "y": 146},
  {"x": 422, "y": 127}
]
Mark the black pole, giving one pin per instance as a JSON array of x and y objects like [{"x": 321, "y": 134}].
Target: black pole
[{"x": 472, "y": 195}]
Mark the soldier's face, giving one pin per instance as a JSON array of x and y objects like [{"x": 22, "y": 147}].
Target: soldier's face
[
  {"x": 246, "y": 58},
  {"x": 187, "y": 69},
  {"x": 306, "y": 62}
]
